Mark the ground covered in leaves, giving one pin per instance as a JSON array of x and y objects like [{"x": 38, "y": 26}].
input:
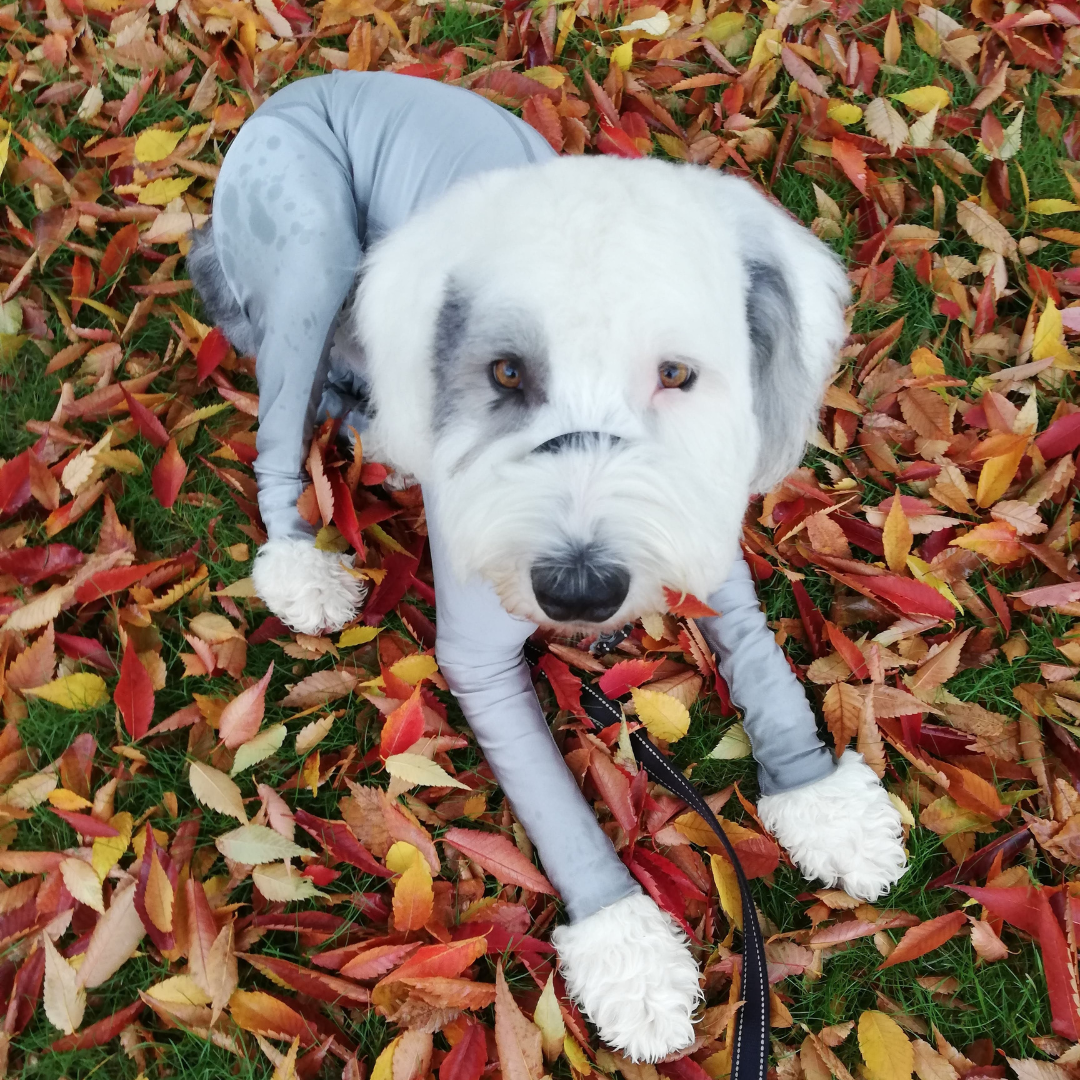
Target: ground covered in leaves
[{"x": 231, "y": 850}]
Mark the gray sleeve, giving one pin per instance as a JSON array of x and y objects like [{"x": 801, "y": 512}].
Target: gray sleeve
[
  {"x": 287, "y": 236},
  {"x": 776, "y": 715},
  {"x": 479, "y": 652}
]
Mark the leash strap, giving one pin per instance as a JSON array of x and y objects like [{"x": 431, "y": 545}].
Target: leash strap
[{"x": 750, "y": 1054}]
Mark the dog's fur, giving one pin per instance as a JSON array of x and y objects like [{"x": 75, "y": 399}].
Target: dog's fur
[{"x": 591, "y": 271}]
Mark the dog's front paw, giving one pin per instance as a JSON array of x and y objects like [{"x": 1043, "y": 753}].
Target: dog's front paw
[
  {"x": 629, "y": 968},
  {"x": 311, "y": 591},
  {"x": 842, "y": 829}
]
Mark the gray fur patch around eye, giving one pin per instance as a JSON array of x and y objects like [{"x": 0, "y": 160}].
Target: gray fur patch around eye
[
  {"x": 781, "y": 382},
  {"x": 468, "y": 340}
]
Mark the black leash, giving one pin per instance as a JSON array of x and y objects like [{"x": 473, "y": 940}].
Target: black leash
[{"x": 750, "y": 1054}]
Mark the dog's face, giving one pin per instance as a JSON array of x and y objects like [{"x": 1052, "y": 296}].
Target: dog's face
[{"x": 592, "y": 363}]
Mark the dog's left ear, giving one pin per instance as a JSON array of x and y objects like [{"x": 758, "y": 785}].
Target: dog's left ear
[{"x": 796, "y": 293}]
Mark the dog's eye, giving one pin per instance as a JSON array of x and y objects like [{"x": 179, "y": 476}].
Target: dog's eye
[
  {"x": 675, "y": 375},
  {"x": 508, "y": 373}
]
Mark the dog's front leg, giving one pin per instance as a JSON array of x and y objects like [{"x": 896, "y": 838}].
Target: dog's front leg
[
  {"x": 625, "y": 962},
  {"x": 834, "y": 818}
]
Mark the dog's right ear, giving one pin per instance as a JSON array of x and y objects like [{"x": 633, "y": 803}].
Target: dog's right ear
[{"x": 796, "y": 291}]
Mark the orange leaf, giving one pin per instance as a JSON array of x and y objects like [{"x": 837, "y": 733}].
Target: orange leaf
[
  {"x": 924, "y": 938},
  {"x": 897, "y": 537},
  {"x": 403, "y": 726},
  {"x": 240, "y": 719},
  {"x": 168, "y": 474},
  {"x": 444, "y": 961},
  {"x": 997, "y": 474},
  {"x": 498, "y": 856},
  {"x": 853, "y": 161},
  {"x": 323, "y": 492},
  {"x": 263, "y": 1014},
  {"x": 995, "y": 539},
  {"x": 685, "y": 605},
  {"x": 118, "y": 251},
  {"x": 518, "y": 1039},
  {"x": 413, "y": 897}
]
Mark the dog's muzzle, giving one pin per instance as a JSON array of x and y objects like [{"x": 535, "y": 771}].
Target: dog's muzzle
[{"x": 580, "y": 585}]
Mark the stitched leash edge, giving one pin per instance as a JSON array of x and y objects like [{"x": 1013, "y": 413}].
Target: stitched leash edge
[{"x": 750, "y": 1052}]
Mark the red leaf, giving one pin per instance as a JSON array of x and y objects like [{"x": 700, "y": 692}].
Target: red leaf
[
  {"x": 564, "y": 682},
  {"x": 853, "y": 161},
  {"x": 345, "y": 513},
  {"x": 241, "y": 718},
  {"x": 29, "y": 565},
  {"x": 316, "y": 984},
  {"x": 613, "y": 140},
  {"x": 100, "y": 1033},
  {"x": 1061, "y": 437},
  {"x": 399, "y": 572},
  {"x": 134, "y": 694},
  {"x": 1028, "y": 908},
  {"x": 924, "y": 938},
  {"x": 105, "y": 582},
  {"x": 802, "y": 72},
  {"x": 908, "y": 596},
  {"x": 150, "y": 427},
  {"x": 84, "y": 824},
  {"x": 338, "y": 840},
  {"x": 168, "y": 475},
  {"x": 498, "y": 856},
  {"x": 15, "y": 483},
  {"x": 614, "y": 787},
  {"x": 467, "y": 1059},
  {"x": 403, "y": 726},
  {"x": 214, "y": 349},
  {"x": 82, "y": 281},
  {"x": 687, "y": 606},
  {"x": 848, "y": 650},
  {"x": 621, "y": 677},
  {"x": 118, "y": 251}
]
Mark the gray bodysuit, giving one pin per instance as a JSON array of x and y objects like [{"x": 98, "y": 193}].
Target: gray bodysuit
[{"x": 326, "y": 166}]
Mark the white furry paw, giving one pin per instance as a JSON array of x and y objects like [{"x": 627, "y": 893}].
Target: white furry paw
[
  {"x": 309, "y": 590},
  {"x": 629, "y": 968},
  {"x": 842, "y": 829}
]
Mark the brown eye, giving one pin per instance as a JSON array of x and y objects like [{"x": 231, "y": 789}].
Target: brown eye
[
  {"x": 675, "y": 375},
  {"x": 507, "y": 373}
]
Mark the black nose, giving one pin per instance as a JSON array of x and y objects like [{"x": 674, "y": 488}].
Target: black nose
[{"x": 581, "y": 585}]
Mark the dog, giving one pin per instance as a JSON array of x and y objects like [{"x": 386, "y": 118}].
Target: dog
[{"x": 589, "y": 364}]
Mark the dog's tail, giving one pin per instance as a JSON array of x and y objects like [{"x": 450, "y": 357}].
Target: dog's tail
[{"x": 217, "y": 297}]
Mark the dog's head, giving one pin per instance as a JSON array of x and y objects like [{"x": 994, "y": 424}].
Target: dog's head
[{"x": 593, "y": 363}]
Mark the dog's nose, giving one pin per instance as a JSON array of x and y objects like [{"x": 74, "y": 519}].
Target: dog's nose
[{"x": 581, "y": 585}]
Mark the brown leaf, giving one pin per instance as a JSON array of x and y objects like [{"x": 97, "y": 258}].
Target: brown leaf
[
  {"x": 518, "y": 1039},
  {"x": 842, "y": 707}
]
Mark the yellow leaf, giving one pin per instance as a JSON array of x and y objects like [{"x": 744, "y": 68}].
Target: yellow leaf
[
  {"x": 924, "y": 98},
  {"x": 162, "y": 192},
  {"x": 547, "y": 76},
  {"x": 310, "y": 772},
  {"x": 1053, "y": 206},
  {"x": 108, "y": 850},
  {"x": 159, "y": 896},
  {"x": 5, "y": 143},
  {"x": 214, "y": 789},
  {"x": 623, "y": 55},
  {"x": 415, "y": 769},
  {"x": 579, "y": 1063},
  {"x": 358, "y": 635},
  {"x": 547, "y": 1016},
  {"x": 727, "y": 888},
  {"x": 82, "y": 882},
  {"x": 179, "y": 990},
  {"x": 897, "y": 537},
  {"x": 843, "y": 112},
  {"x": 724, "y": 26},
  {"x": 892, "y": 40},
  {"x": 997, "y": 474},
  {"x": 401, "y": 856},
  {"x": 1049, "y": 335},
  {"x": 765, "y": 48},
  {"x": 885, "y": 1047},
  {"x": 82, "y": 691},
  {"x": 63, "y": 799},
  {"x": 258, "y": 749},
  {"x": 926, "y": 37},
  {"x": 64, "y": 1000},
  {"x": 281, "y": 882},
  {"x": 415, "y": 668},
  {"x": 924, "y": 362},
  {"x": 156, "y": 143},
  {"x": 733, "y": 745},
  {"x": 384, "y": 1063},
  {"x": 310, "y": 735},
  {"x": 665, "y": 717}
]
